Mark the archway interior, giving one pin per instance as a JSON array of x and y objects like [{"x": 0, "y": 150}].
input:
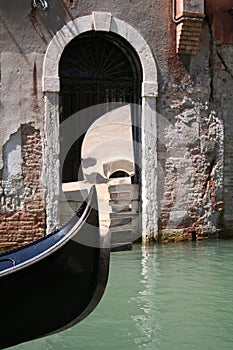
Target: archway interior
[{"x": 96, "y": 68}]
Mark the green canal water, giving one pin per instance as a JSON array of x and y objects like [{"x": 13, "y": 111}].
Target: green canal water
[{"x": 162, "y": 297}]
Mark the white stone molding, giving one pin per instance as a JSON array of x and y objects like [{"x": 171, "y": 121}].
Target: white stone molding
[
  {"x": 100, "y": 21},
  {"x": 104, "y": 21},
  {"x": 51, "y": 166},
  {"x": 149, "y": 89},
  {"x": 52, "y": 84},
  {"x": 149, "y": 170}
]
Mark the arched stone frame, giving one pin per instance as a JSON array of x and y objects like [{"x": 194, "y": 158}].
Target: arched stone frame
[{"x": 101, "y": 21}]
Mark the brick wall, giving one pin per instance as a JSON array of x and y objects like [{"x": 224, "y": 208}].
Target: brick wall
[
  {"x": 22, "y": 212},
  {"x": 191, "y": 147},
  {"x": 192, "y": 198},
  {"x": 192, "y": 187}
]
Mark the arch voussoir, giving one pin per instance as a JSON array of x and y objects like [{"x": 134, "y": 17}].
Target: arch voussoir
[{"x": 97, "y": 21}]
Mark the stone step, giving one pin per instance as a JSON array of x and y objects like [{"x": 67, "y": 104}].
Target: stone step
[
  {"x": 120, "y": 195},
  {"x": 122, "y": 215},
  {"x": 124, "y": 188},
  {"x": 119, "y": 208},
  {"x": 124, "y": 207},
  {"x": 127, "y": 223},
  {"x": 124, "y": 191},
  {"x": 130, "y": 227},
  {"x": 120, "y": 221},
  {"x": 134, "y": 205},
  {"x": 121, "y": 236},
  {"x": 124, "y": 195}
]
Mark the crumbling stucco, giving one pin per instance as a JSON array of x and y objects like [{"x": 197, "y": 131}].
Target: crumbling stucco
[
  {"x": 194, "y": 119},
  {"x": 22, "y": 214},
  {"x": 191, "y": 155},
  {"x": 12, "y": 156}
]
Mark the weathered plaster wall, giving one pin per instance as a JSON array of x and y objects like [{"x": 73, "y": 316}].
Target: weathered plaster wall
[
  {"x": 26, "y": 37},
  {"x": 194, "y": 114}
]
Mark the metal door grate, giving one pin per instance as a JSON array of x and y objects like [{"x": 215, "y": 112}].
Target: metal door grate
[{"x": 96, "y": 68}]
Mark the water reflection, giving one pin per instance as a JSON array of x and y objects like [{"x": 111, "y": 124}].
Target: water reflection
[
  {"x": 186, "y": 299},
  {"x": 161, "y": 297},
  {"x": 146, "y": 322}
]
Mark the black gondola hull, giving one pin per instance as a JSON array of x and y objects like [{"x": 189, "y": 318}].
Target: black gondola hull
[{"x": 54, "y": 292}]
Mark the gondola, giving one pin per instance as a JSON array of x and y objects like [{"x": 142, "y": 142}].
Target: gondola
[{"x": 51, "y": 284}]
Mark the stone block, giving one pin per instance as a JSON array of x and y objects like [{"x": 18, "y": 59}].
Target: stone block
[{"x": 102, "y": 20}]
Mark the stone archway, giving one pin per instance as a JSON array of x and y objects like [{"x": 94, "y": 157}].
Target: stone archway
[{"x": 101, "y": 21}]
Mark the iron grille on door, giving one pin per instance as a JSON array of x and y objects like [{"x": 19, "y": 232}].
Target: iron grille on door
[{"x": 95, "y": 68}]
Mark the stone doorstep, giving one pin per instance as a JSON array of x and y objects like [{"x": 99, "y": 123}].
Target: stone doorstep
[
  {"x": 120, "y": 222},
  {"x": 131, "y": 224},
  {"x": 119, "y": 208},
  {"x": 120, "y": 195},
  {"x": 126, "y": 228},
  {"x": 134, "y": 204},
  {"x": 123, "y": 209},
  {"x": 119, "y": 181},
  {"x": 127, "y": 195},
  {"x": 121, "y": 236},
  {"x": 134, "y": 234},
  {"x": 124, "y": 201},
  {"x": 122, "y": 215},
  {"x": 123, "y": 188}
]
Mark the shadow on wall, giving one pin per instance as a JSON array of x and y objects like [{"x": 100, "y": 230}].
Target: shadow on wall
[{"x": 222, "y": 19}]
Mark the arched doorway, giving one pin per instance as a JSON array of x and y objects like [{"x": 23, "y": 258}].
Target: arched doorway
[
  {"x": 96, "y": 68},
  {"x": 105, "y": 22}
]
